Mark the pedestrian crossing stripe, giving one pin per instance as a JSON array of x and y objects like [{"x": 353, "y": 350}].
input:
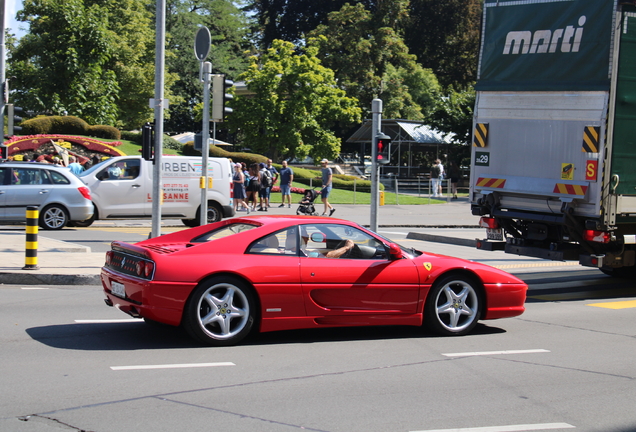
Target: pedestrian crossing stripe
[
  {"x": 481, "y": 135},
  {"x": 570, "y": 189},
  {"x": 495, "y": 183},
  {"x": 591, "y": 136}
]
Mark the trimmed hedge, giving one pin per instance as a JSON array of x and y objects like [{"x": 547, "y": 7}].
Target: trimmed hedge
[
  {"x": 103, "y": 131},
  {"x": 69, "y": 125}
]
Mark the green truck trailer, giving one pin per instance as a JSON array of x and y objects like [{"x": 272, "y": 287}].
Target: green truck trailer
[{"x": 553, "y": 171}]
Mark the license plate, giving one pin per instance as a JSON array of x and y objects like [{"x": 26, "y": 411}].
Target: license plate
[
  {"x": 118, "y": 289},
  {"x": 494, "y": 234}
]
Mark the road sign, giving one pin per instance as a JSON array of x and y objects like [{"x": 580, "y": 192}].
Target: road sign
[{"x": 202, "y": 43}]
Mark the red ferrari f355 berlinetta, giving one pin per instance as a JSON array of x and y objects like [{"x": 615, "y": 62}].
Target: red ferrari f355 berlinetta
[{"x": 264, "y": 273}]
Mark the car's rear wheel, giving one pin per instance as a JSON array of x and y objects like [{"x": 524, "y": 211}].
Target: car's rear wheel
[
  {"x": 53, "y": 217},
  {"x": 453, "y": 306},
  {"x": 220, "y": 312},
  {"x": 86, "y": 223}
]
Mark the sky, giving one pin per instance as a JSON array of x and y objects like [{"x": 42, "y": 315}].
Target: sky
[{"x": 11, "y": 7}]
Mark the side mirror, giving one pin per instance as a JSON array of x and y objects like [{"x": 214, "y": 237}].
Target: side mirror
[{"x": 395, "y": 252}]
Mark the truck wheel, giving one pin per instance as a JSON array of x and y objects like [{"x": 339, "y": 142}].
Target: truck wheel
[
  {"x": 453, "y": 305},
  {"x": 220, "y": 312},
  {"x": 620, "y": 272},
  {"x": 190, "y": 222},
  {"x": 215, "y": 214},
  {"x": 53, "y": 217}
]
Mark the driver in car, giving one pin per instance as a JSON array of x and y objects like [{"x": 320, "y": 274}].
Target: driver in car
[{"x": 336, "y": 253}]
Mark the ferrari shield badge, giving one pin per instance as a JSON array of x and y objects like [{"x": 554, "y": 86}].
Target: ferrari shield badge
[{"x": 428, "y": 266}]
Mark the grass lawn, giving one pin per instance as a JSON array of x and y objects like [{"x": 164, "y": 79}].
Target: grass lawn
[{"x": 338, "y": 196}]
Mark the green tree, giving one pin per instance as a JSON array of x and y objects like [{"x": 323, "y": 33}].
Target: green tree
[
  {"x": 445, "y": 37},
  {"x": 229, "y": 31},
  {"x": 371, "y": 60},
  {"x": 89, "y": 58},
  {"x": 294, "y": 102}
]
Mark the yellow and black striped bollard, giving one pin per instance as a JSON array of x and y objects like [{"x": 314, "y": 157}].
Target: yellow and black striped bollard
[{"x": 31, "y": 258}]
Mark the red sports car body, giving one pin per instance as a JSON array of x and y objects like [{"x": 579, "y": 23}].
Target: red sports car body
[{"x": 267, "y": 273}]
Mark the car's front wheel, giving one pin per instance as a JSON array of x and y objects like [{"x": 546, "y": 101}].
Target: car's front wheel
[
  {"x": 220, "y": 312},
  {"x": 453, "y": 306},
  {"x": 53, "y": 217}
]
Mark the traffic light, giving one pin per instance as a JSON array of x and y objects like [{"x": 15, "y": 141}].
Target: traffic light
[
  {"x": 383, "y": 149},
  {"x": 147, "y": 141},
  {"x": 13, "y": 119},
  {"x": 4, "y": 152},
  {"x": 219, "y": 97}
]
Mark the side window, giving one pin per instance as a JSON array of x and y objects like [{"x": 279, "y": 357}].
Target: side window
[
  {"x": 5, "y": 176},
  {"x": 114, "y": 171},
  {"x": 340, "y": 241},
  {"x": 28, "y": 176},
  {"x": 280, "y": 243},
  {"x": 131, "y": 169},
  {"x": 58, "y": 178}
]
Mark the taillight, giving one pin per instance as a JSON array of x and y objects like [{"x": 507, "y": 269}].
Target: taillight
[
  {"x": 109, "y": 257},
  {"x": 144, "y": 268},
  {"x": 86, "y": 192},
  {"x": 150, "y": 266},
  {"x": 596, "y": 236},
  {"x": 488, "y": 222}
]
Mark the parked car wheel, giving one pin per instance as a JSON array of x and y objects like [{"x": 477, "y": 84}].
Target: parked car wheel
[
  {"x": 190, "y": 222},
  {"x": 85, "y": 223},
  {"x": 53, "y": 217},
  {"x": 220, "y": 312},
  {"x": 453, "y": 306}
]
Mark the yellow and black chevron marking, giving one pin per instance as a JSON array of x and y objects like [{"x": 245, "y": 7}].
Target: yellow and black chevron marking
[
  {"x": 591, "y": 136},
  {"x": 31, "y": 247},
  {"x": 481, "y": 135}
]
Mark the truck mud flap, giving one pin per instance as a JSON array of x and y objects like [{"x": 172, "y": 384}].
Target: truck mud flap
[{"x": 571, "y": 254}]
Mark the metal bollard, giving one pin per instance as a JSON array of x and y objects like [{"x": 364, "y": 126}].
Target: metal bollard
[{"x": 31, "y": 258}]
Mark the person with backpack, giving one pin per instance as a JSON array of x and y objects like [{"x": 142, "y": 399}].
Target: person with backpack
[{"x": 266, "y": 180}]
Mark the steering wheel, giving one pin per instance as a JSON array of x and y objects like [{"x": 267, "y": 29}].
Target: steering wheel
[{"x": 347, "y": 254}]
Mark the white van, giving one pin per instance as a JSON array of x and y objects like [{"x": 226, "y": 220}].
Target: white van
[{"x": 121, "y": 188}]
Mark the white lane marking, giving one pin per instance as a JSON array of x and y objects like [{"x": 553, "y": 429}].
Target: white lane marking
[
  {"x": 510, "y": 428},
  {"x": 101, "y": 321},
  {"x": 172, "y": 366},
  {"x": 485, "y": 353},
  {"x": 33, "y": 288}
]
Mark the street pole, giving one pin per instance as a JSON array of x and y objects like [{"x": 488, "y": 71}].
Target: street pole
[
  {"x": 157, "y": 181},
  {"x": 376, "y": 123},
  {"x": 205, "y": 142},
  {"x": 3, "y": 74}
]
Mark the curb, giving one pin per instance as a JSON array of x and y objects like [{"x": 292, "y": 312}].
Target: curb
[
  {"x": 442, "y": 239},
  {"x": 48, "y": 279}
]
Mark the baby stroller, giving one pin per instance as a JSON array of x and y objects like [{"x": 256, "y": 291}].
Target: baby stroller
[{"x": 307, "y": 204}]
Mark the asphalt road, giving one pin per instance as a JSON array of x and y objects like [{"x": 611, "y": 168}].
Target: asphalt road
[{"x": 71, "y": 363}]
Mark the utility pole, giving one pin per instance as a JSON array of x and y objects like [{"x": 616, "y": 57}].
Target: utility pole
[
  {"x": 159, "y": 105},
  {"x": 202, "y": 44},
  {"x": 376, "y": 123},
  {"x": 3, "y": 74}
]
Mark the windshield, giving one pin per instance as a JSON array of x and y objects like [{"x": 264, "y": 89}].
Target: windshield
[{"x": 93, "y": 169}]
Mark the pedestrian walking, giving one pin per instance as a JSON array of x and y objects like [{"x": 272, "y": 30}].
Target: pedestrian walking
[
  {"x": 265, "y": 178},
  {"x": 286, "y": 179},
  {"x": 437, "y": 173},
  {"x": 274, "y": 174},
  {"x": 453, "y": 174},
  {"x": 238, "y": 180},
  {"x": 254, "y": 186},
  {"x": 327, "y": 178}
]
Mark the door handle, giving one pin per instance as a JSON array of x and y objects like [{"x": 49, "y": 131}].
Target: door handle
[
  {"x": 135, "y": 186},
  {"x": 43, "y": 191}
]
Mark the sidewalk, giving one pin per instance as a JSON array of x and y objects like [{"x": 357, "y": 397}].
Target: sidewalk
[{"x": 63, "y": 263}]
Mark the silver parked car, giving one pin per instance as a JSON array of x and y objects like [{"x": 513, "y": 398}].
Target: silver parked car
[{"x": 60, "y": 195}]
